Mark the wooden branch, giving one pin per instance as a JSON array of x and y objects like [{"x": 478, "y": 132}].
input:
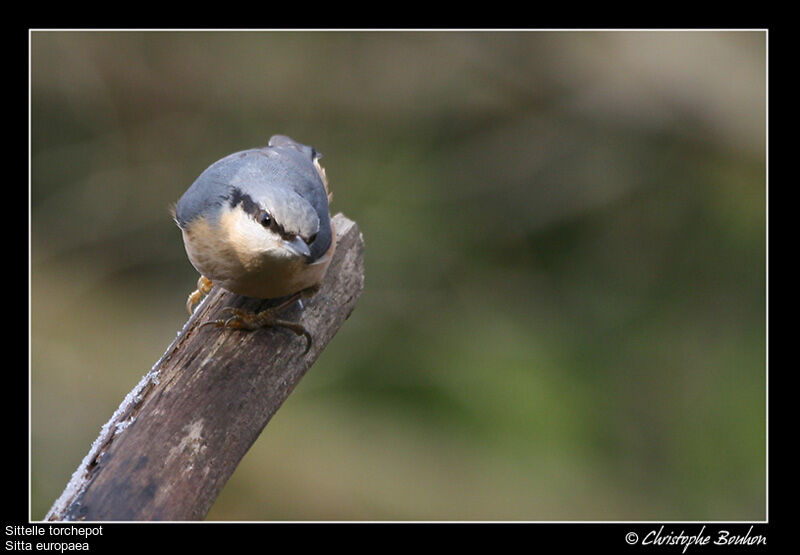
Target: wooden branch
[{"x": 175, "y": 440}]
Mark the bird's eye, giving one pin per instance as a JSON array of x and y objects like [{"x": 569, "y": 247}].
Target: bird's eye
[{"x": 265, "y": 220}]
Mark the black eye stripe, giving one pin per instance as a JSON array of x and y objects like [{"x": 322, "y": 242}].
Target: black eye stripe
[
  {"x": 248, "y": 204},
  {"x": 265, "y": 219},
  {"x": 238, "y": 197}
]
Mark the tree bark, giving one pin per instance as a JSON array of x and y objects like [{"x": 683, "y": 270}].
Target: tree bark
[{"x": 178, "y": 436}]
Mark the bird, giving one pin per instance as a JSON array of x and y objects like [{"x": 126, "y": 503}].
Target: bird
[{"x": 257, "y": 223}]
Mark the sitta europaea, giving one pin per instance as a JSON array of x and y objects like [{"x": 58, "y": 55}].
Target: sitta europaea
[{"x": 256, "y": 223}]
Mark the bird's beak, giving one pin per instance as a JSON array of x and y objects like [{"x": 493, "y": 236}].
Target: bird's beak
[{"x": 297, "y": 246}]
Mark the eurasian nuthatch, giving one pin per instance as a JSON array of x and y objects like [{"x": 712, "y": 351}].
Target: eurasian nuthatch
[{"x": 256, "y": 223}]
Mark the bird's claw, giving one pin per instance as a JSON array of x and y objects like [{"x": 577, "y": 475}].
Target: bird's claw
[
  {"x": 204, "y": 285},
  {"x": 242, "y": 319}
]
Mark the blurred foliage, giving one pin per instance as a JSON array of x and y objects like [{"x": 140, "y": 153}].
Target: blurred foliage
[{"x": 564, "y": 313}]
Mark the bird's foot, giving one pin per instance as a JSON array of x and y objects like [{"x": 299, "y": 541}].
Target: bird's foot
[
  {"x": 204, "y": 285},
  {"x": 243, "y": 319}
]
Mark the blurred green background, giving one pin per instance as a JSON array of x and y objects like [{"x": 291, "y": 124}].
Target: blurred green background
[{"x": 564, "y": 312}]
